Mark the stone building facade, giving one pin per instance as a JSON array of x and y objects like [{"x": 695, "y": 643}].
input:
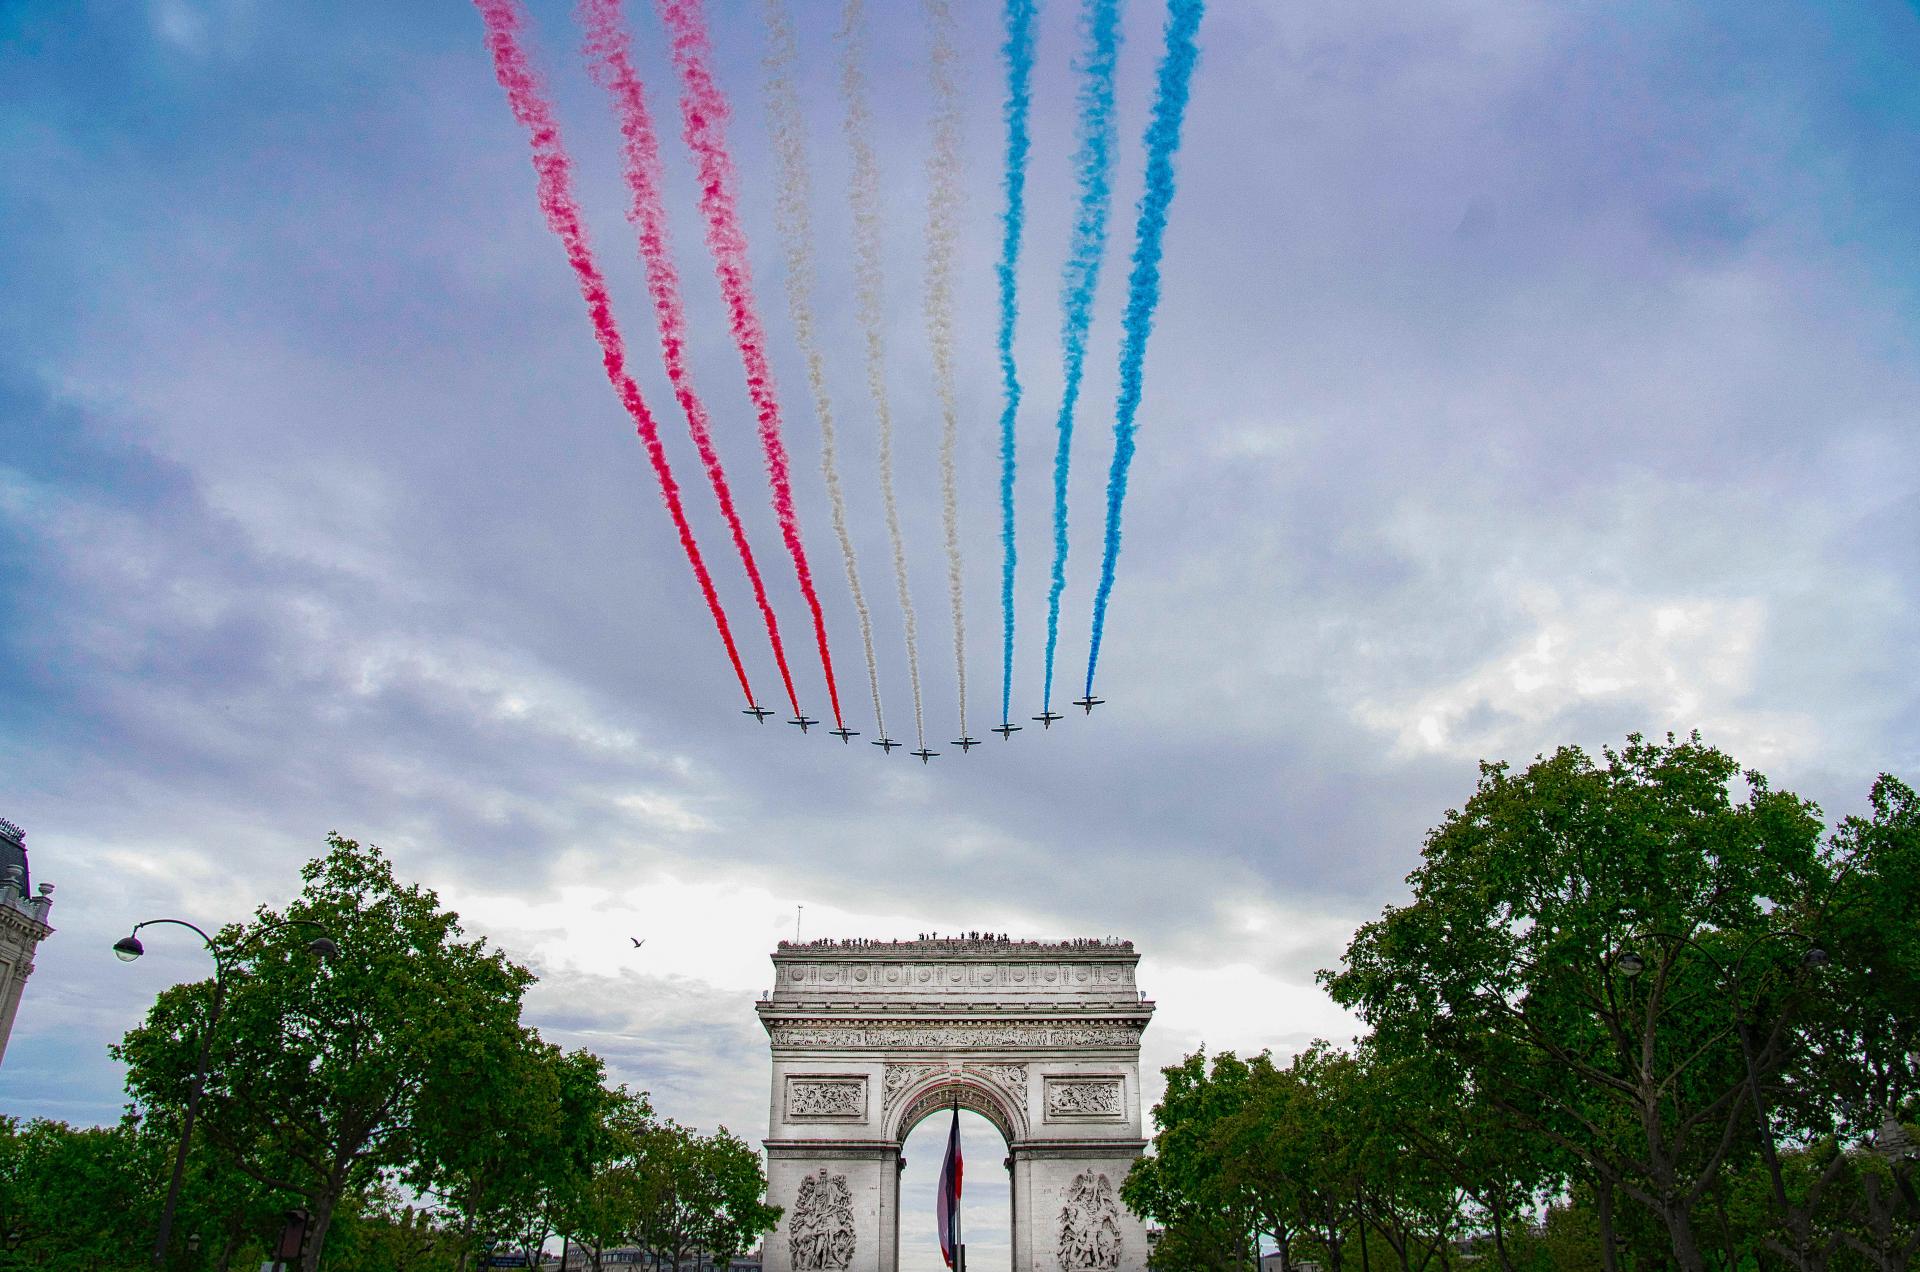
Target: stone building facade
[
  {"x": 870, "y": 1038},
  {"x": 23, "y": 924}
]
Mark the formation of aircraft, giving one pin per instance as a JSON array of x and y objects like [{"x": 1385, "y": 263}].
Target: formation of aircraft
[{"x": 1006, "y": 728}]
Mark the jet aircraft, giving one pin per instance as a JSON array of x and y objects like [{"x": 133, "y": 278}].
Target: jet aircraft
[
  {"x": 1089, "y": 703},
  {"x": 758, "y": 712}
]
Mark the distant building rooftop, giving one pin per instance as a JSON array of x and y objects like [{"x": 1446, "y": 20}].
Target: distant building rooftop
[{"x": 13, "y": 855}]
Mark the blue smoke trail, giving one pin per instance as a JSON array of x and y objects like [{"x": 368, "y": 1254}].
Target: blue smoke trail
[
  {"x": 1093, "y": 158},
  {"x": 1143, "y": 284},
  {"x": 1018, "y": 51}
]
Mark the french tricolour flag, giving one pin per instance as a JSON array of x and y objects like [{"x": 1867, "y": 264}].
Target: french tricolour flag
[{"x": 948, "y": 1205}]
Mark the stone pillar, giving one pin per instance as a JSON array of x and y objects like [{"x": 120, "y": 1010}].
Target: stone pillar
[
  {"x": 830, "y": 1166},
  {"x": 1075, "y": 1220},
  {"x": 841, "y": 1207}
]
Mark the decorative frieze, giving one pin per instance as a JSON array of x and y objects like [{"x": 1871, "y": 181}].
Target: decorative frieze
[
  {"x": 826, "y": 1099},
  {"x": 1085, "y": 1099},
  {"x": 958, "y": 1035}
]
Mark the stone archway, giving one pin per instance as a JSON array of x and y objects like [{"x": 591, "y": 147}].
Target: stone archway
[{"x": 868, "y": 1038}]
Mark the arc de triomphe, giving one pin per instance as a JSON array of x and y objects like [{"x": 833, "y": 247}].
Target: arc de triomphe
[{"x": 869, "y": 1038}]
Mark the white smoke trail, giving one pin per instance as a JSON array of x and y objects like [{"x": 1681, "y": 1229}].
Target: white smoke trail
[
  {"x": 943, "y": 205},
  {"x": 869, "y": 286},
  {"x": 796, "y": 236}
]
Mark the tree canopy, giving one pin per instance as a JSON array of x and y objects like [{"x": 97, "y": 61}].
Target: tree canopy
[
  {"x": 387, "y": 1090},
  {"x": 1648, "y": 989}
]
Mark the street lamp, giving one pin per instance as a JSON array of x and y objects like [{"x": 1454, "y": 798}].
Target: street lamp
[{"x": 127, "y": 949}]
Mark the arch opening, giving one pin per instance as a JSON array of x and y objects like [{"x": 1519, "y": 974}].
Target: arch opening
[{"x": 986, "y": 1195}]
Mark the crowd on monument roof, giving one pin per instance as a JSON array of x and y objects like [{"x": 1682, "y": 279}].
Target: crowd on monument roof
[{"x": 990, "y": 939}]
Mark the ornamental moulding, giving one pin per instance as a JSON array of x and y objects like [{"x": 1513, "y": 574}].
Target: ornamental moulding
[{"x": 959, "y": 1035}]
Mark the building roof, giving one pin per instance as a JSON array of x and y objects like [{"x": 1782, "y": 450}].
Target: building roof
[{"x": 13, "y": 854}]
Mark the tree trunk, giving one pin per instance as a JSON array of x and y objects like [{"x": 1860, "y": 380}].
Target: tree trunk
[
  {"x": 1686, "y": 1247},
  {"x": 1603, "y": 1190},
  {"x": 317, "y": 1226}
]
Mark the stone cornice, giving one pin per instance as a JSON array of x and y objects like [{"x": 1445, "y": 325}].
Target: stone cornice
[{"x": 21, "y": 923}]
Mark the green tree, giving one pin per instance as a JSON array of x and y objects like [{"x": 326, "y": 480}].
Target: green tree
[
  {"x": 699, "y": 1193},
  {"x": 599, "y": 1206},
  {"x": 328, "y": 1080},
  {"x": 532, "y": 1111},
  {"x": 1510, "y": 958},
  {"x": 74, "y": 1198}
]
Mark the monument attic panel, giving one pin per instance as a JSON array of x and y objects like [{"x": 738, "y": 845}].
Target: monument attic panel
[{"x": 981, "y": 972}]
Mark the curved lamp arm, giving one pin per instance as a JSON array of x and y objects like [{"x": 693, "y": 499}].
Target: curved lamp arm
[{"x": 129, "y": 947}]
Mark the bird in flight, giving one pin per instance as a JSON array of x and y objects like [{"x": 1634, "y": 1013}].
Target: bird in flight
[{"x": 638, "y": 941}]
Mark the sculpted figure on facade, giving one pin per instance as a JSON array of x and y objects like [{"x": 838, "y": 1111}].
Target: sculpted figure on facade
[
  {"x": 1090, "y": 1226},
  {"x": 1011, "y": 1078},
  {"x": 901, "y": 1076},
  {"x": 820, "y": 1233}
]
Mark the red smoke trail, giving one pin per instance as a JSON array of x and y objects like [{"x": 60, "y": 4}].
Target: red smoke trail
[
  {"x": 610, "y": 53},
  {"x": 703, "y": 113},
  {"x": 555, "y": 173}
]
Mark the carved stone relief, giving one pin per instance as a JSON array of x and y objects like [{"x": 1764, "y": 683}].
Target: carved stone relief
[
  {"x": 827, "y": 1099},
  {"x": 1084, "y": 1099},
  {"x": 901, "y": 1076},
  {"x": 820, "y": 1233},
  {"x": 1089, "y": 1226},
  {"x": 1011, "y": 1078},
  {"x": 986, "y": 1034}
]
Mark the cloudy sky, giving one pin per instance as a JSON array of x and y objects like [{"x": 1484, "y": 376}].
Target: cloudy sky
[{"x": 1527, "y": 373}]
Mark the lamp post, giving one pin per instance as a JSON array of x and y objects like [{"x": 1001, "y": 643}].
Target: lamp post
[{"x": 128, "y": 948}]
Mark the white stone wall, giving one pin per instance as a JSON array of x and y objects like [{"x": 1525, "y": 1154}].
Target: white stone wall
[{"x": 1041, "y": 1038}]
